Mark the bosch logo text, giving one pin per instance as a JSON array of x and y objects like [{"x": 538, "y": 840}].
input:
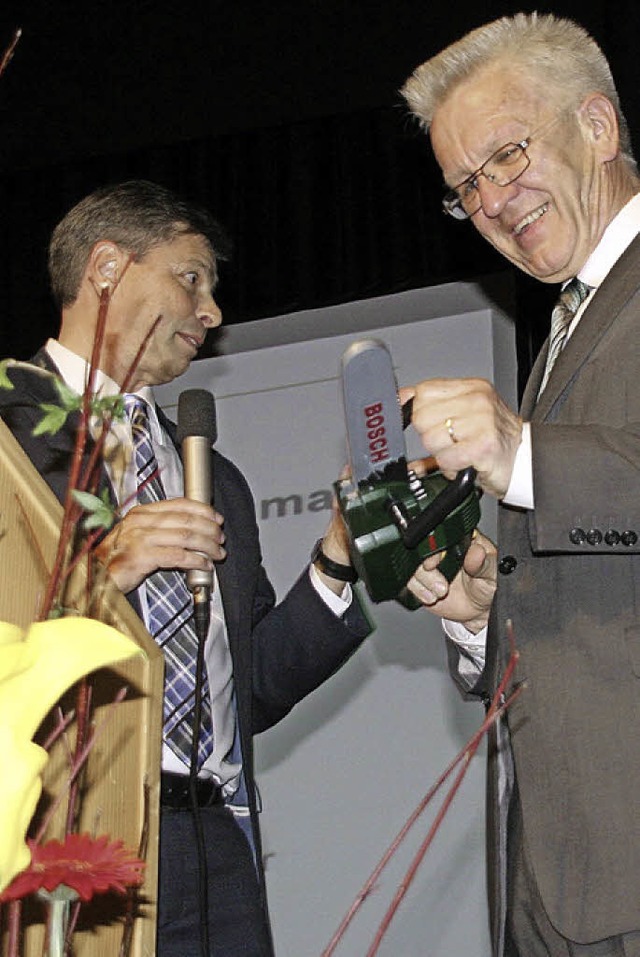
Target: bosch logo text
[{"x": 376, "y": 433}]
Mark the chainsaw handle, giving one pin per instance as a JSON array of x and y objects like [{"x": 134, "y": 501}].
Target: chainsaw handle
[{"x": 443, "y": 504}]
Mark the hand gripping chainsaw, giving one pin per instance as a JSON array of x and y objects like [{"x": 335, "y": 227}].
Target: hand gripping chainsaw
[{"x": 394, "y": 518}]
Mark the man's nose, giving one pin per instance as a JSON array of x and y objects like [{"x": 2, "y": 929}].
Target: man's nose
[
  {"x": 209, "y": 312},
  {"x": 493, "y": 198}
]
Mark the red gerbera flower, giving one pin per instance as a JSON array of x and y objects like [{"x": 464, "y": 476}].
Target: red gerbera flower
[{"x": 88, "y": 865}]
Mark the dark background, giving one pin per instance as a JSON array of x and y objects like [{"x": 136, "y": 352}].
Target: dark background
[{"x": 283, "y": 118}]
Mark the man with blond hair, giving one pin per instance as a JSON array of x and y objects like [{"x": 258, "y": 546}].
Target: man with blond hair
[{"x": 526, "y": 125}]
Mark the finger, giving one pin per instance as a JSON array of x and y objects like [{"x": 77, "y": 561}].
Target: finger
[
  {"x": 173, "y": 513},
  {"x": 130, "y": 559},
  {"x": 428, "y": 594},
  {"x": 476, "y": 559},
  {"x": 405, "y": 393},
  {"x": 427, "y": 583},
  {"x": 176, "y": 506}
]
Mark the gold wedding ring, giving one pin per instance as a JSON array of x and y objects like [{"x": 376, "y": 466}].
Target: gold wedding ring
[{"x": 448, "y": 423}]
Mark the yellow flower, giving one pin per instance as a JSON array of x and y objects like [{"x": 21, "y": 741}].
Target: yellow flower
[{"x": 36, "y": 668}]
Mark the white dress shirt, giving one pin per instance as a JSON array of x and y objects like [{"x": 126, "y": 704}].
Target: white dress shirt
[{"x": 74, "y": 371}]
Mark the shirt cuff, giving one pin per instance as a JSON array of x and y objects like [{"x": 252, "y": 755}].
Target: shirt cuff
[
  {"x": 520, "y": 491},
  {"x": 472, "y": 648},
  {"x": 337, "y": 603}
]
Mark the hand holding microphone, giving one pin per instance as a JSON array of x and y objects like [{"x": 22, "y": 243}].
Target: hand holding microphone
[{"x": 181, "y": 533}]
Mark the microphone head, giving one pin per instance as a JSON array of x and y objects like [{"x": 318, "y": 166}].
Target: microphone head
[{"x": 197, "y": 415}]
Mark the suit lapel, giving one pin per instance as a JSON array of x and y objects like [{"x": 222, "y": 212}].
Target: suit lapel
[
  {"x": 39, "y": 389},
  {"x": 618, "y": 287},
  {"x": 226, "y": 573}
]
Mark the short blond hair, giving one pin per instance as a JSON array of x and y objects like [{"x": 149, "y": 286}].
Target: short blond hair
[{"x": 558, "y": 51}]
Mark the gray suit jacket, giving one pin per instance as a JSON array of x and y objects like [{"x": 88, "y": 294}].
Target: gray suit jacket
[{"x": 569, "y": 579}]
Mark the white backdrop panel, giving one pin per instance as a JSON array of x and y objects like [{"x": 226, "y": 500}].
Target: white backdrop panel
[{"x": 342, "y": 773}]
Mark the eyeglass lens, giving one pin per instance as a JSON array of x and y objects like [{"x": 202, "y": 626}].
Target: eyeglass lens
[{"x": 503, "y": 167}]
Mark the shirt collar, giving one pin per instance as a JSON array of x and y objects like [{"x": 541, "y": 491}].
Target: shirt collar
[
  {"x": 618, "y": 235},
  {"x": 75, "y": 372}
]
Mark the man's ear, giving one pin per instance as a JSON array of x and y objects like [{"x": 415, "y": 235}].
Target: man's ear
[
  {"x": 599, "y": 121},
  {"x": 105, "y": 265}
]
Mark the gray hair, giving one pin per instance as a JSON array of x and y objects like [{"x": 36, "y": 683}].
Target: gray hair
[{"x": 559, "y": 52}]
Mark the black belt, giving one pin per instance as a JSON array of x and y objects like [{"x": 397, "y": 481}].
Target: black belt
[{"x": 174, "y": 791}]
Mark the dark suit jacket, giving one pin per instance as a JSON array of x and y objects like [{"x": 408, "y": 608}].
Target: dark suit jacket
[
  {"x": 571, "y": 585},
  {"x": 280, "y": 652}
]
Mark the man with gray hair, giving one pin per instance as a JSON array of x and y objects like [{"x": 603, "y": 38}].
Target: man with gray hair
[{"x": 525, "y": 123}]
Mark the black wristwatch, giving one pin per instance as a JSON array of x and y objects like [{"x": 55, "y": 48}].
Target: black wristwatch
[{"x": 343, "y": 573}]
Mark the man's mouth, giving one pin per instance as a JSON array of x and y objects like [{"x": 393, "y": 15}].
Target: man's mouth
[
  {"x": 530, "y": 218},
  {"x": 193, "y": 341}
]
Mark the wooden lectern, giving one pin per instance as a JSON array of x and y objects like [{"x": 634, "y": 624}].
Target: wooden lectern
[{"x": 121, "y": 779}]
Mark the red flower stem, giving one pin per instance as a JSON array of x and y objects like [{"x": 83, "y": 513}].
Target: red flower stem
[
  {"x": 32, "y": 535},
  {"x": 74, "y": 914},
  {"x": 70, "y": 518},
  {"x": 8, "y": 53},
  {"x": 72, "y": 512},
  {"x": 81, "y": 483},
  {"x": 136, "y": 359},
  {"x": 103, "y": 308},
  {"x": 96, "y": 452},
  {"x": 63, "y": 723},
  {"x": 77, "y": 765},
  {"x": 424, "y": 847},
  {"x": 133, "y": 891},
  {"x": 83, "y": 711},
  {"x": 493, "y": 711},
  {"x": 69, "y": 522},
  {"x": 13, "y": 928},
  {"x": 79, "y": 478}
]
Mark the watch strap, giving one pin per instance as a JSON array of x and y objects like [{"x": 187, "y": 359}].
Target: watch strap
[{"x": 343, "y": 573}]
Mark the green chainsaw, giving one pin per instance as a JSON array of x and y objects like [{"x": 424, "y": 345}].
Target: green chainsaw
[{"x": 395, "y": 518}]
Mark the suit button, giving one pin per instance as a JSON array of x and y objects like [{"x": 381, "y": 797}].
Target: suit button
[
  {"x": 577, "y": 536},
  {"x": 507, "y": 564},
  {"x": 612, "y": 537},
  {"x": 629, "y": 538},
  {"x": 594, "y": 536}
]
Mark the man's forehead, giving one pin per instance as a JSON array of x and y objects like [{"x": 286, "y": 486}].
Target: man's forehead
[
  {"x": 186, "y": 246},
  {"x": 482, "y": 113}
]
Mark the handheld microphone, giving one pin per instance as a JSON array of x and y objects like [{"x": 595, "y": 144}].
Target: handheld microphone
[{"x": 197, "y": 432}]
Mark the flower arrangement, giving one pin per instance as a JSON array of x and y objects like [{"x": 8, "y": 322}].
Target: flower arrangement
[{"x": 37, "y": 666}]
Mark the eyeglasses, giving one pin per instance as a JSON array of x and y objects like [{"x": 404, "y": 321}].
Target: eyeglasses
[{"x": 503, "y": 167}]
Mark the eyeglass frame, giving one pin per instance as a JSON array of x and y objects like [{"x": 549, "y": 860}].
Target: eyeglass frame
[{"x": 452, "y": 202}]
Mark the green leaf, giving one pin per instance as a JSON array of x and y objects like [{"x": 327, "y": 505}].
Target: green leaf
[
  {"x": 52, "y": 421},
  {"x": 70, "y": 399},
  {"x": 5, "y": 381},
  {"x": 112, "y": 405},
  {"x": 98, "y": 508}
]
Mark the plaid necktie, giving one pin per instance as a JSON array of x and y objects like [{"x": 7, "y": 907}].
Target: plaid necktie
[
  {"x": 170, "y": 609},
  {"x": 569, "y": 301}
]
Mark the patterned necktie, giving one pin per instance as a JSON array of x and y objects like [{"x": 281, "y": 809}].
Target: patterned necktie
[
  {"x": 170, "y": 608},
  {"x": 569, "y": 301}
]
